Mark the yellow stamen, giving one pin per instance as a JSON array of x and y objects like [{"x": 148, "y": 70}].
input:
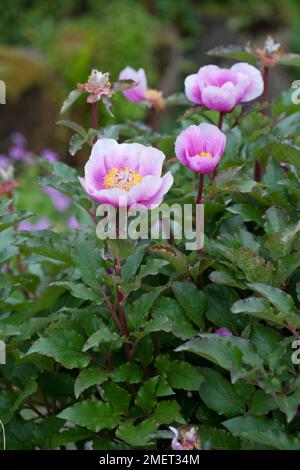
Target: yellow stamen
[
  {"x": 122, "y": 178},
  {"x": 204, "y": 154}
]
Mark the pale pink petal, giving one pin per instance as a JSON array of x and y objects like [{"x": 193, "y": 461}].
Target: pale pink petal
[
  {"x": 219, "y": 99},
  {"x": 96, "y": 167},
  {"x": 192, "y": 88},
  {"x": 256, "y": 86},
  {"x": 166, "y": 182},
  {"x": 136, "y": 93},
  {"x": 143, "y": 191}
]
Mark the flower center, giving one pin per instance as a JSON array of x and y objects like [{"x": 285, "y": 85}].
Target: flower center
[
  {"x": 122, "y": 178},
  {"x": 204, "y": 154}
]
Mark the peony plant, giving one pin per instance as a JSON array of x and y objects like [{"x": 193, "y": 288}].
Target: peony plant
[{"x": 121, "y": 344}]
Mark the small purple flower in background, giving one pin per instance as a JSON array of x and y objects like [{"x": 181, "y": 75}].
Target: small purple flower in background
[
  {"x": 18, "y": 139},
  {"x": 136, "y": 93},
  {"x": 185, "y": 439},
  {"x": 223, "y": 331},
  {"x": 4, "y": 162},
  {"x": 73, "y": 223},
  {"x": 200, "y": 148},
  {"x": 221, "y": 89},
  {"x": 60, "y": 201},
  {"x": 50, "y": 155},
  {"x": 125, "y": 174},
  {"x": 20, "y": 153},
  {"x": 41, "y": 224}
]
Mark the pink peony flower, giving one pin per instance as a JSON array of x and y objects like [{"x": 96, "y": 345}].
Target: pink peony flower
[
  {"x": 125, "y": 174},
  {"x": 136, "y": 93},
  {"x": 222, "y": 89},
  {"x": 223, "y": 331},
  {"x": 185, "y": 439},
  {"x": 200, "y": 148}
]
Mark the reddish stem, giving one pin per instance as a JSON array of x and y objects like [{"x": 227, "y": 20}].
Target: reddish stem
[
  {"x": 200, "y": 189},
  {"x": 94, "y": 118},
  {"x": 220, "y": 120},
  {"x": 265, "y": 95},
  {"x": 153, "y": 119},
  {"x": 258, "y": 166},
  {"x": 220, "y": 124}
]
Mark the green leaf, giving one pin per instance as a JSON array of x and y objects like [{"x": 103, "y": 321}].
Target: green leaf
[
  {"x": 280, "y": 299},
  {"x": 290, "y": 59},
  {"x": 64, "y": 346},
  {"x": 247, "y": 213},
  {"x": 180, "y": 374},
  {"x": 217, "y": 439},
  {"x": 234, "y": 52},
  {"x": 10, "y": 220},
  {"x": 139, "y": 435},
  {"x": 192, "y": 300},
  {"x": 220, "y": 300},
  {"x": 175, "y": 257},
  {"x": 289, "y": 404},
  {"x": 88, "y": 378},
  {"x": 232, "y": 353},
  {"x": 29, "y": 389},
  {"x": 132, "y": 263},
  {"x": 146, "y": 396},
  {"x": 71, "y": 98},
  {"x": 168, "y": 316},
  {"x": 265, "y": 339},
  {"x": 69, "y": 436},
  {"x": 75, "y": 144},
  {"x": 79, "y": 291},
  {"x": 258, "y": 307},
  {"x": 129, "y": 372},
  {"x": 219, "y": 394},
  {"x": 117, "y": 396},
  {"x": 122, "y": 85},
  {"x": 120, "y": 248},
  {"x": 141, "y": 307},
  {"x": 93, "y": 415},
  {"x": 167, "y": 412},
  {"x": 262, "y": 430},
  {"x": 103, "y": 336},
  {"x": 262, "y": 403},
  {"x": 74, "y": 126},
  {"x": 152, "y": 267},
  {"x": 86, "y": 258}
]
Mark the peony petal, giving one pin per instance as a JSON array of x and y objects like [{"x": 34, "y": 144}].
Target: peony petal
[
  {"x": 188, "y": 142},
  {"x": 203, "y": 164},
  {"x": 219, "y": 99},
  {"x": 192, "y": 88},
  {"x": 96, "y": 167},
  {"x": 143, "y": 191},
  {"x": 256, "y": 86},
  {"x": 136, "y": 93},
  {"x": 166, "y": 182}
]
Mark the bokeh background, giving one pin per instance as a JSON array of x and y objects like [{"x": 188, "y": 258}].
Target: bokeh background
[{"x": 47, "y": 47}]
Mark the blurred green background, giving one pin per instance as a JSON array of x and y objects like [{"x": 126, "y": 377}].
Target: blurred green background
[{"x": 47, "y": 47}]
